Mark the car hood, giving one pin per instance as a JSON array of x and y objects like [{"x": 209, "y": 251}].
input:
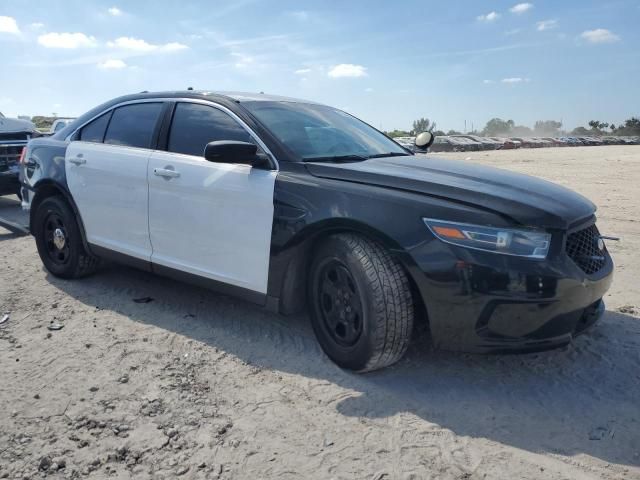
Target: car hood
[
  {"x": 15, "y": 125},
  {"x": 528, "y": 200}
]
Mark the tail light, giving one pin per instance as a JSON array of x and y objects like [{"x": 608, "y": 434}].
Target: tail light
[{"x": 23, "y": 155}]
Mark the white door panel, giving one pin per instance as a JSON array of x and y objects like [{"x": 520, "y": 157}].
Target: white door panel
[
  {"x": 211, "y": 219},
  {"x": 109, "y": 185}
]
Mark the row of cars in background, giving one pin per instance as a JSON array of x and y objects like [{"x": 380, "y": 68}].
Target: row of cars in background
[
  {"x": 15, "y": 133},
  {"x": 471, "y": 143}
]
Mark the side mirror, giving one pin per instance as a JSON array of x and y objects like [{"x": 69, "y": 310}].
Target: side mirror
[
  {"x": 424, "y": 140},
  {"x": 230, "y": 151}
]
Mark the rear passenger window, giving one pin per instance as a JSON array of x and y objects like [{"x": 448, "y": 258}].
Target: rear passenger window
[
  {"x": 133, "y": 125},
  {"x": 195, "y": 125},
  {"x": 94, "y": 131}
]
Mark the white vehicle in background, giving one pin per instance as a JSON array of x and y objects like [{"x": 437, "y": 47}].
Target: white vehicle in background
[{"x": 58, "y": 124}]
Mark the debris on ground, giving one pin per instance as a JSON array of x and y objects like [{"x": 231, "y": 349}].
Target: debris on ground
[
  {"x": 630, "y": 309},
  {"x": 55, "y": 326}
]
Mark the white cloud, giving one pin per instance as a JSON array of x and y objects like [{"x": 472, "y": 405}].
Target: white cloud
[
  {"x": 599, "y": 35},
  {"x": 546, "y": 25},
  {"x": 139, "y": 45},
  {"x": 512, "y": 80},
  {"x": 489, "y": 17},
  {"x": 173, "y": 47},
  {"x": 115, "y": 11},
  {"x": 488, "y": 82},
  {"x": 112, "y": 65},
  {"x": 347, "y": 70},
  {"x": 515, "y": 31},
  {"x": 66, "y": 40},
  {"x": 37, "y": 25},
  {"x": 520, "y": 8},
  {"x": 368, "y": 90},
  {"x": 131, "y": 43},
  {"x": 302, "y": 71},
  {"x": 8, "y": 25}
]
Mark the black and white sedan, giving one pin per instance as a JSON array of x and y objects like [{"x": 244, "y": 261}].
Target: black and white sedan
[{"x": 292, "y": 205}]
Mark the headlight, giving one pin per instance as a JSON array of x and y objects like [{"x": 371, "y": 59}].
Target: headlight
[{"x": 521, "y": 243}]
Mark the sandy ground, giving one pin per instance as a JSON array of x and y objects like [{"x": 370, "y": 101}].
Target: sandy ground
[{"x": 198, "y": 385}]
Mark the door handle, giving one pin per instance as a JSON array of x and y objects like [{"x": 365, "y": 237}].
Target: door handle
[
  {"x": 166, "y": 173},
  {"x": 77, "y": 161}
]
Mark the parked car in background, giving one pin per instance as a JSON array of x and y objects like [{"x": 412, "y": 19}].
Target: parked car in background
[
  {"x": 590, "y": 141},
  {"x": 467, "y": 144},
  {"x": 445, "y": 144},
  {"x": 507, "y": 143},
  {"x": 59, "y": 124},
  {"x": 571, "y": 141},
  {"x": 526, "y": 142},
  {"x": 555, "y": 142},
  {"x": 485, "y": 143},
  {"x": 406, "y": 142},
  {"x": 14, "y": 135}
]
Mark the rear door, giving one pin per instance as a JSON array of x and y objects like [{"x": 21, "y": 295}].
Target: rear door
[
  {"x": 106, "y": 172},
  {"x": 209, "y": 219}
]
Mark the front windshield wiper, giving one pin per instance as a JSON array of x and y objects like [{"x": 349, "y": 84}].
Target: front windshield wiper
[
  {"x": 390, "y": 154},
  {"x": 336, "y": 158}
]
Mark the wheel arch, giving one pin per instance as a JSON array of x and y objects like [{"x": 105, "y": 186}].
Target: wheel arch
[
  {"x": 48, "y": 188},
  {"x": 298, "y": 255}
]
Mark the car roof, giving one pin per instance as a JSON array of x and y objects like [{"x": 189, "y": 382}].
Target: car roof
[
  {"x": 219, "y": 96},
  {"x": 214, "y": 94}
]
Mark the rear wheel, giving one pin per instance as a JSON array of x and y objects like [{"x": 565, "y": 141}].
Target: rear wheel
[
  {"x": 361, "y": 305},
  {"x": 59, "y": 240}
]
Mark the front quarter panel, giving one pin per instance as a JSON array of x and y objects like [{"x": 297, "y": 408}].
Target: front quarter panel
[{"x": 307, "y": 208}]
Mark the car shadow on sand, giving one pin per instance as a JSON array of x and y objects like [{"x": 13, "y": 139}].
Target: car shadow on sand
[{"x": 581, "y": 399}]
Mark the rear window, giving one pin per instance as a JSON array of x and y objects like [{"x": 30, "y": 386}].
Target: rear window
[{"x": 133, "y": 125}]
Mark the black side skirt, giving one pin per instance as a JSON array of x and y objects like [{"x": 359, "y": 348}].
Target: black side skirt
[{"x": 219, "y": 287}]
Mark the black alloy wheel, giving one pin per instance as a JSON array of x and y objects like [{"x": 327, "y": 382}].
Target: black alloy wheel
[
  {"x": 56, "y": 241},
  {"x": 340, "y": 303}
]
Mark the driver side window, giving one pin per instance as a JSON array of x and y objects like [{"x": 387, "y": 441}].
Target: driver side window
[{"x": 194, "y": 125}]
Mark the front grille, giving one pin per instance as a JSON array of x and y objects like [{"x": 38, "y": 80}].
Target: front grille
[
  {"x": 9, "y": 156},
  {"x": 582, "y": 248},
  {"x": 14, "y": 136}
]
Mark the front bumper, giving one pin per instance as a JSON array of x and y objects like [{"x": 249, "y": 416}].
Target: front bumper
[
  {"x": 483, "y": 302},
  {"x": 9, "y": 183}
]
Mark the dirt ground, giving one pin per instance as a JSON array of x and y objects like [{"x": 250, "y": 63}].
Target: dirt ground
[{"x": 197, "y": 385}]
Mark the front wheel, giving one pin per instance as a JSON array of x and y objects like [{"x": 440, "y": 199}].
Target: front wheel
[
  {"x": 59, "y": 240},
  {"x": 360, "y": 303}
]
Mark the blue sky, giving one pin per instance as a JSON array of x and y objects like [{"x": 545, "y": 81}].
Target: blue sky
[{"x": 386, "y": 62}]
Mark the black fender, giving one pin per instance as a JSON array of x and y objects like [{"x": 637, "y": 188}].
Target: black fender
[
  {"x": 290, "y": 264},
  {"x": 46, "y": 188}
]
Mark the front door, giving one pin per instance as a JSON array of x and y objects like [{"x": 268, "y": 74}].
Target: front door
[
  {"x": 209, "y": 219},
  {"x": 106, "y": 171}
]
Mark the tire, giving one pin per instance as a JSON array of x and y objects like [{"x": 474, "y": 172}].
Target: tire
[
  {"x": 360, "y": 301},
  {"x": 66, "y": 257}
]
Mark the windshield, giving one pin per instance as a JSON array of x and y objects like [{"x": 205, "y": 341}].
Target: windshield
[{"x": 317, "y": 132}]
